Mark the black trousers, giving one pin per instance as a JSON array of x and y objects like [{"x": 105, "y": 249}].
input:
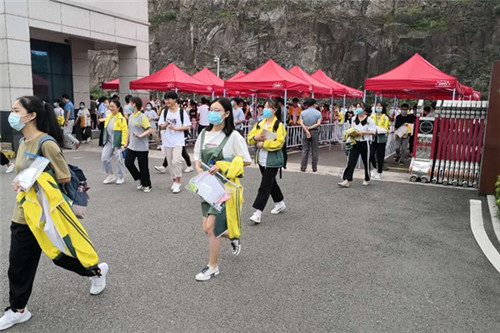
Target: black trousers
[
  {"x": 268, "y": 186},
  {"x": 143, "y": 173},
  {"x": 23, "y": 261},
  {"x": 201, "y": 128},
  {"x": 3, "y": 159},
  {"x": 93, "y": 119},
  {"x": 185, "y": 156},
  {"x": 377, "y": 155},
  {"x": 360, "y": 148}
]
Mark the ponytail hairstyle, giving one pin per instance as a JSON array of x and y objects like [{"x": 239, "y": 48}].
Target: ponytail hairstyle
[
  {"x": 229, "y": 120},
  {"x": 138, "y": 102},
  {"x": 118, "y": 105},
  {"x": 45, "y": 119}
]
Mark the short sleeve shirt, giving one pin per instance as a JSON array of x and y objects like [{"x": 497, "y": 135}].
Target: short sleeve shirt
[
  {"x": 58, "y": 165},
  {"x": 310, "y": 116}
]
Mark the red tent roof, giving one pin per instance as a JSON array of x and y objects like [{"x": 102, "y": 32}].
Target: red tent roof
[
  {"x": 416, "y": 75},
  {"x": 209, "y": 78},
  {"x": 111, "y": 85},
  {"x": 237, "y": 75},
  {"x": 270, "y": 77},
  {"x": 320, "y": 89},
  {"x": 338, "y": 88},
  {"x": 170, "y": 78}
]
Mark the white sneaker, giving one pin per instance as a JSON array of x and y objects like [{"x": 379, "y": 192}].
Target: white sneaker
[
  {"x": 345, "y": 183},
  {"x": 147, "y": 189},
  {"x": 110, "y": 179},
  {"x": 161, "y": 169},
  {"x": 98, "y": 283},
  {"x": 255, "y": 218},
  {"x": 10, "y": 168},
  {"x": 278, "y": 208},
  {"x": 10, "y": 318},
  {"x": 188, "y": 169},
  {"x": 207, "y": 273},
  {"x": 172, "y": 187},
  {"x": 89, "y": 139},
  {"x": 176, "y": 188},
  {"x": 366, "y": 182},
  {"x": 120, "y": 181},
  {"x": 139, "y": 186},
  {"x": 236, "y": 246},
  {"x": 377, "y": 176}
]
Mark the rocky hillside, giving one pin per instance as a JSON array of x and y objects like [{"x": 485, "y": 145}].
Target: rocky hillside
[{"x": 349, "y": 39}]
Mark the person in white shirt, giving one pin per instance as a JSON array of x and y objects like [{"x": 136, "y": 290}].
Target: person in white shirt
[
  {"x": 217, "y": 142},
  {"x": 173, "y": 138},
  {"x": 360, "y": 145},
  {"x": 203, "y": 114},
  {"x": 238, "y": 115},
  {"x": 83, "y": 117},
  {"x": 152, "y": 115}
]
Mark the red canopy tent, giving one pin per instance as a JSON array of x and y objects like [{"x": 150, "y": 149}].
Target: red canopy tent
[
  {"x": 209, "y": 78},
  {"x": 415, "y": 78},
  {"x": 319, "y": 89},
  {"x": 269, "y": 78},
  {"x": 338, "y": 88},
  {"x": 169, "y": 78},
  {"x": 111, "y": 85},
  {"x": 239, "y": 92}
]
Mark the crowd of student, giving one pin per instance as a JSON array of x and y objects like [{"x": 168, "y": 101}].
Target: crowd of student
[{"x": 125, "y": 133}]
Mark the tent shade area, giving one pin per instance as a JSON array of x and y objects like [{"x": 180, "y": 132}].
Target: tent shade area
[
  {"x": 111, "y": 85},
  {"x": 210, "y": 79},
  {"x": 171, "y": 77},
  {"x": 415, "y": 78},
  {"x": 269, "y": 78},
  {"x": 338, "y": 88}
]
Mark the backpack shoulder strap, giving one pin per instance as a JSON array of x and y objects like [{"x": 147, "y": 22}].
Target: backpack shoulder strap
[
  {"x": 181, "y": 111},
  {"x": 276, "y": 125},
  {"x": 42, "y": 140},
  {"x": 223, "y": 143}
]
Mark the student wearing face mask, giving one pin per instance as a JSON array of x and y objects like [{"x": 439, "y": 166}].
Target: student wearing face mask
[
  {"x": 360, "y": 145},
  {"x": 115, "y": 138},
  {"x": 402, "y": 142},
  {"x": 83, "y": 120},
  {"x": 270, "y": 158},
  {"x": 217, "y": 143},
  {"x": 128, "y": 109},
  {"x": 152, "y": 116},
  {"x": 36, "y": 120},
  {"x": 377, "y": 148}
]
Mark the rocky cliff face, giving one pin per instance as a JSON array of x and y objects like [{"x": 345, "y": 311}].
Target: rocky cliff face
[{"x": 349, "y": 39}]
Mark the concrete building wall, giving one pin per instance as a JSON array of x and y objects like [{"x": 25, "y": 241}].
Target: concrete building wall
[{"x": 84, "y": 25}]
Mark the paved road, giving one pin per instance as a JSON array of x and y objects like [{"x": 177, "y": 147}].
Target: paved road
[{"x": 389, "y": 257}]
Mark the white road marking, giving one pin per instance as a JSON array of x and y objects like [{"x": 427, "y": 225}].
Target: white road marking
[{"x": 482, "y": 239}]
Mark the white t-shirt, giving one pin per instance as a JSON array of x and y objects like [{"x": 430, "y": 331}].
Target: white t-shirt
[
  {"x": 170, "y": 137},
  {"x": 85, "y": 112},
  {"x": 151, "y": 114},
  {"x": 235, "y": 145},
  {"x": 238, "y": 115},
  {"x": 59, "y": 112},
  {"x": 203, "y": 112}
]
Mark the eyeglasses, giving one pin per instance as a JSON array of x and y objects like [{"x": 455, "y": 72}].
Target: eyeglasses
[{"x": 217, "y": 110}]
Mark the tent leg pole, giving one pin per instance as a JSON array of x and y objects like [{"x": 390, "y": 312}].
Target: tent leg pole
[
  {"x": 453, "y": 98},
  {"x": 330, "y": 132},
  {"x": 284, "y": 107},
  {"x": 344, "y": 101},
  {"x": 213, "y": 95},
  {"x": 375, "y": 99},
  {"x": 364, "y": 96},
  {"x": 224, "y": 93}
]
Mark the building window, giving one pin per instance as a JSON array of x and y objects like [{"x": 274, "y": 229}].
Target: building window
[{"x": 51, "y": 70}]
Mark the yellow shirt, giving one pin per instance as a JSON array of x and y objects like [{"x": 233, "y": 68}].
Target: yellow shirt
[{"x": 50, "y": 150}]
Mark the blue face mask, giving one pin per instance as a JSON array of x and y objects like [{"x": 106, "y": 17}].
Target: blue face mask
[
  {"x": 267, "y": 113},
  {"x": 148, "y": 108},
  {"x": 359, "y": 111},
  {"x": 130, "y": 108},
  {"x": 214, "y": 118},
  {"x": 404, "y": 112},
  {"x": 55, "y": 105},
  {"x": 15, "y": 121},
  {"x": 378, "y": 110},
  {"x": 82, "y": 106}
]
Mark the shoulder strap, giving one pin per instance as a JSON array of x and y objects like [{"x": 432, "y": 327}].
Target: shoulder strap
[
  {"x": 276, "y": 125},
  {"x": 182, "y": 116},
  {"x": 42, "y": 140},
  {"x": 223, "y": 143}
]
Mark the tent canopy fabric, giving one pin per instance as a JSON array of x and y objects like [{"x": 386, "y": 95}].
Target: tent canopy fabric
[
  {"x": 414, "y": 75},
  {"x": 319, "y": 89},
  {"x": 111, "y": 85},
  {"x": 237, "y": 75},
  {"x": 338, "y": 88},
  {"x": 208, "y": 77},
  {"x": 268, "y": 78},
  {"x": 169, "y": 78}
]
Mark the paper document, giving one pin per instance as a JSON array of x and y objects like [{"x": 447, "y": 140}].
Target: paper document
[
  {"x": 270, "y": 136},
  {"x": 381, "y": 130},
  {"x": 210, "y": 188}
]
